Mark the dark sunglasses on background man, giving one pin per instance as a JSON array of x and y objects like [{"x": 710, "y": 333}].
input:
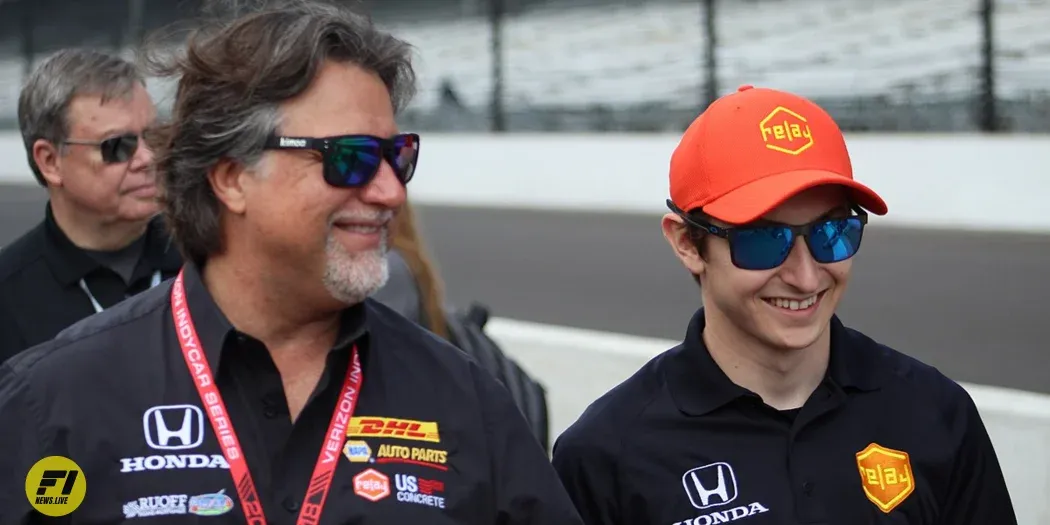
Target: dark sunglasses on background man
[
  {"x": 114, "y": 149},
  {"x": 352, "y": 161},
  {"x": 767, "y": 246}
]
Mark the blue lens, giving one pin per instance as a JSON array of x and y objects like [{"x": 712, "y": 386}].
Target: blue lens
[
  {"x": 835, "y": 240},
  {"x": 355, "y": 160},
  {"x": 760, "y": 248},
  {"x": 767, "y": 247}
]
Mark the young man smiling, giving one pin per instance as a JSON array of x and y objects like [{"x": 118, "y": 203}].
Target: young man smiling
[{"x": 771, "y": 411}]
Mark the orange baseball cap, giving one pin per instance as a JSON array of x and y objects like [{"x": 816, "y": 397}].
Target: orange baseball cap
[{"x": 754, "y": 149}]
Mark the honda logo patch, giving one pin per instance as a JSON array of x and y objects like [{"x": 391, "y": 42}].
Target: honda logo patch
[
  {"x": 715, "y": 485},
  {"x": 173, "y": 427},
  {"x": 710, "y": 485}
]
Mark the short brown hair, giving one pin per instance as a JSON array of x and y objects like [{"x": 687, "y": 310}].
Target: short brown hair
[{"x": 233, "y": 76}]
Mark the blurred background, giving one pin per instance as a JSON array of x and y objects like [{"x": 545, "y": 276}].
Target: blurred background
[{"x": 648, "y": 65}]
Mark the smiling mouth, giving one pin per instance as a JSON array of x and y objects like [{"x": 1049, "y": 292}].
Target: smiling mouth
[
  {"x": 795, "y": 304},
  {"x": 360, "y": 228},
  {"x": 363, "y": 227}
]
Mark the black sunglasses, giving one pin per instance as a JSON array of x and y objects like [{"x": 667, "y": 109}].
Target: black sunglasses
[
  {"x": 764, "y": 247},
  {"x": 114, "y": 149},
  {"x": 352, "y": 161}
]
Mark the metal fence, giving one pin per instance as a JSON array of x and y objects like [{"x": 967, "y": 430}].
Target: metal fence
[{"x": 650, "y": 65}]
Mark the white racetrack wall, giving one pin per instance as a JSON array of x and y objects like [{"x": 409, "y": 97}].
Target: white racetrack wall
[{"x": 946, "y": 181}]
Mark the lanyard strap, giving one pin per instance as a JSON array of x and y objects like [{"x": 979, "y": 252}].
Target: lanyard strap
[
  {"x": 153, "y": 282},
  {"x": 324, "y": 469}
]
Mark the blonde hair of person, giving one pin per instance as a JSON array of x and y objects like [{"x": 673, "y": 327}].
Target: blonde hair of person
[{"x": 407, "y": 241}]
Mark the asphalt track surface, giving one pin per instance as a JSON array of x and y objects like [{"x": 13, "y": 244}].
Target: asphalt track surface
[{"x": 972, "y": 304}]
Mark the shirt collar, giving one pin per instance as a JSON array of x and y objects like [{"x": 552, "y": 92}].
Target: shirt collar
[
  {"x": 855, "y": 360},
  {"x": 70, "y": 264},
  {"x": 67, "y": 262},
  {"x": 161, "y": 253},
  {"x": 216, "y": 333},
  {"x": 698, "y": 385}
]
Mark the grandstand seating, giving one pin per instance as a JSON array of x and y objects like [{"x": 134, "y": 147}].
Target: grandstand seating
[{"x": 652, "y": 52}]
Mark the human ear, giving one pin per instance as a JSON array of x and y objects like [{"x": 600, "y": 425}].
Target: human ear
[{"x": 682, "y": 243}]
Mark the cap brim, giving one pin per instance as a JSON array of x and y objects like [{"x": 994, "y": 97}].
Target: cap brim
[{"x": 752, "y": 201}]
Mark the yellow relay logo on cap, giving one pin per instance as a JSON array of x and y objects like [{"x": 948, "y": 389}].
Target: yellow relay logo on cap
[
  {"x": 785, "y": 131},
  {"x": 56, "y": 486}
]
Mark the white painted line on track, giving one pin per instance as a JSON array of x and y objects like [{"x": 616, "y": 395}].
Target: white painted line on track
[{"x": 987, "y": 397}]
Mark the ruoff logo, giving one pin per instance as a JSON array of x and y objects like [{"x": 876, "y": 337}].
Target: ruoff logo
[
  {"x": 785, "y": 131},
  {"x": 173, "y": 427},
  {"x": 710, "y": 485}
]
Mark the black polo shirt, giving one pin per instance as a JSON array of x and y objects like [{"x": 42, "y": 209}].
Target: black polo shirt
[
  {"x": 40, "y": 281},
  {"x": 434, "y": 438},
  {"x": 883, "y": 439}
]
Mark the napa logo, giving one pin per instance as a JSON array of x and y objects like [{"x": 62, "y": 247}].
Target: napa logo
[{"x": 357, "y": 451}]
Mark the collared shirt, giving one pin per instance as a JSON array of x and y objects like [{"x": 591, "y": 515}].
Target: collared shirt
[
  {"x": 47, "y": 283},
  {"x": 113, "y": 394},
  {"x": 883, "y": 439}
]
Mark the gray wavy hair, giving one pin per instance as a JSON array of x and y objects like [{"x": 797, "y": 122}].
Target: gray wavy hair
[{"x": 232, "y": 77}]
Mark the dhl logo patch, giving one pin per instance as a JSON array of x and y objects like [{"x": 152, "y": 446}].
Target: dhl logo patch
[
  {"x": 388, "y": 427},
  {"x": 785, "y": 131},
  {"x": 885, "y": 476}
]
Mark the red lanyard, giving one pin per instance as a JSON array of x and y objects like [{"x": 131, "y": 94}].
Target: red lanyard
[{"x": 324, "y": 470}]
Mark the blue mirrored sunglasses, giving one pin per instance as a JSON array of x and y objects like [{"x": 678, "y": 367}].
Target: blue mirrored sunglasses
[
  {"x": 352, "y": 161},
  {"x": 764, "y": 247}
]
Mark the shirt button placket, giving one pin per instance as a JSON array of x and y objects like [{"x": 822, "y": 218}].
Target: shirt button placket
[{"x": 290, "y": 504}]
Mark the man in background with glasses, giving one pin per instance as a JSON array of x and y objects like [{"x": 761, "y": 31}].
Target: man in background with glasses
[
  {"x": 771, "y": 410},
  {"x": 81, "y": 115}
]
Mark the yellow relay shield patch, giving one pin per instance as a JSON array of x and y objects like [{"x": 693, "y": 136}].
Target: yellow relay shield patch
[
  {"x": 885, "y": 476},
  {"x": 55, "y": 486}
]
